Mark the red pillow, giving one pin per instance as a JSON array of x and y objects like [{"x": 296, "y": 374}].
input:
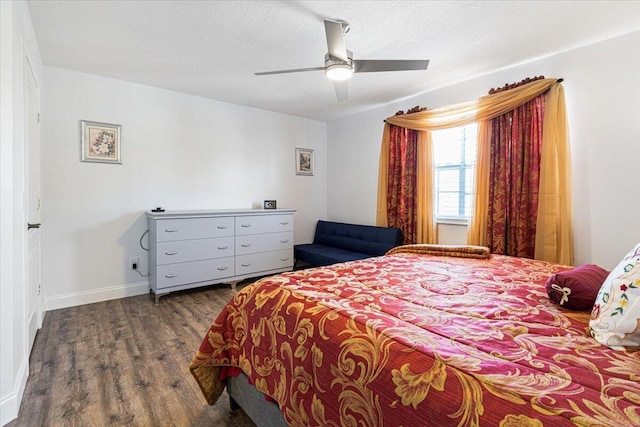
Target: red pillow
[{"x": 576, "y": 289}]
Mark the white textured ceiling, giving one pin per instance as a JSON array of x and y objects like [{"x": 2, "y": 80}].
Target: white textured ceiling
[{"x": 212, "y": 48}]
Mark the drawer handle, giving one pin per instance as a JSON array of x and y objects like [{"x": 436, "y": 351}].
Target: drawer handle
[
  {"x": 284, "y": 241},
  {"x": 223, "y": 268},
  {"x": 246, "y": 265},
  {"x": 171, "y": 230},
  {"x": 171, "y": 253},
  {"x": 245, "y": 245},
  {"x": 284, "y": 259},
  {"x": 284, "y": 223},
  {"x": 223, "y": 247},
  {"x": 169, "y": 276},
  {"x": 246, "y": 225},
  {"x": 223, "y": 227}
]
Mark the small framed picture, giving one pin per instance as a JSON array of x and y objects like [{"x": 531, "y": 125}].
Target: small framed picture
[
  {"x": 304, "y": 161},
  {"x": 100, "y": 142},
  {"x": 269, "y": 204}
]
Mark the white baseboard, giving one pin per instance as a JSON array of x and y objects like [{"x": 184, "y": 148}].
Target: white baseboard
[
  {"x": 10, "y": 405},
  {"x": 96, "y": 295}
]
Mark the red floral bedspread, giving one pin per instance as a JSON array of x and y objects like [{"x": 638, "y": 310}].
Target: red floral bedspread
[{"x": 417, "y": 340}]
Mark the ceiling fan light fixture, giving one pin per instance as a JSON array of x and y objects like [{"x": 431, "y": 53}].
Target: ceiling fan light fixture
[{"x": 338, "y": 72}]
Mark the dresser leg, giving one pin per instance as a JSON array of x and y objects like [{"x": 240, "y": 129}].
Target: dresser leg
[
  {"x": 157, "y": 296},
  {"x": 233, "y": 284}
]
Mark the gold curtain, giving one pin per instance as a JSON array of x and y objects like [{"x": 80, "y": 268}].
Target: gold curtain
[
  {"x": 553, "y": 238},
  {"x": 477, "y": 231},
  {"x": 383, "y": 179},
  {"x": 426, "y": 226}
]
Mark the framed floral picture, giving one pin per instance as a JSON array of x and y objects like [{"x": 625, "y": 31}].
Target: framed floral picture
[
  {"x": 304, "y": 161},
  {"x": 100, "y": 142}
]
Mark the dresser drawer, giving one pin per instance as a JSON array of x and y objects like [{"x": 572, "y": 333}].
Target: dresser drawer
[
  {"x": 193, "y": 228},
  {"x": 192, "y": 272},
  {"x": 255, "y": 243},
  {"x": 194, "y": 250},
  {"x": 263, "y": 224},
  {"x": 264, "y": 261}
]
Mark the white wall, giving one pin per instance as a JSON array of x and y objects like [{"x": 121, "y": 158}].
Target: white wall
[
  {"x": 179, "y": 152},
  {"x": 603, "y": 102},
  {"x": 17, "y": 39}
]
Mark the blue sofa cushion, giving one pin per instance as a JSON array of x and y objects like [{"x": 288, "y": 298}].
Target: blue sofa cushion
[{"x": 325, "y": 255}]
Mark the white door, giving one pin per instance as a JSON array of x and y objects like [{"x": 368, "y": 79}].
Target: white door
[{"x": 34, "y": 239}]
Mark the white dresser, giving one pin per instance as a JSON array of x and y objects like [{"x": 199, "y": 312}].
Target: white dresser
[{"x": 188, "y": 249}]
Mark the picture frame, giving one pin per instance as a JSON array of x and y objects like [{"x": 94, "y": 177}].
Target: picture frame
[
  {"x": 304, "y": 161},
  {"x": 270, "y": 204},
  {"x": 101, "y": 142}
]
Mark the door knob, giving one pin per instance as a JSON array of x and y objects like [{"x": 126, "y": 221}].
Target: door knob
[{"x": 30, "y": 226}]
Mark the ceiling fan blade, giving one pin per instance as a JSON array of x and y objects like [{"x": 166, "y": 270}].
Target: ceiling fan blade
[
  {"x": 335, "y": 40},
  {"x": 375, "y": 65},
  {"x": 296, "y": 70},
  {"x": 342, "y": 89}
]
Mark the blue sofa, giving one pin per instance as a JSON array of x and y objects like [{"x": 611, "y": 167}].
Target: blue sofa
[{"x": 338, "y": 242}]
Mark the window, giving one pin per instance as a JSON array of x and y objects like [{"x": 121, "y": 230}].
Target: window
[{"x": 454, "y": 157}]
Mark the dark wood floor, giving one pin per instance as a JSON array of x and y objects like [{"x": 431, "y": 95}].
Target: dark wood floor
[{"x": 125, "y": 362}]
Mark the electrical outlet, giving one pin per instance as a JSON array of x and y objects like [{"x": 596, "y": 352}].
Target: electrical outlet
[{"x": 134, "y": 262}]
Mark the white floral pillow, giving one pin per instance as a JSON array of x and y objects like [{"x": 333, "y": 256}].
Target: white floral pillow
[{"x": 615, "y": 319}]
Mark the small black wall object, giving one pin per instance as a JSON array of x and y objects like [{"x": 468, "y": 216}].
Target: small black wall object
[{"x": 158, "y": 209}]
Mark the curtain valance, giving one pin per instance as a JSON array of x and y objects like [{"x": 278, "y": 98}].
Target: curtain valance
[{"x": 484, "y": 108}]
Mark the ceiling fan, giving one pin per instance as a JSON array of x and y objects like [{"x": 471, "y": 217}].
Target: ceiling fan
[{"x": 339, "y": 64}]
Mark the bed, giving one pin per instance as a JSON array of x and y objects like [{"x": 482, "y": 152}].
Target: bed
[{"x": 418, "y": 338}]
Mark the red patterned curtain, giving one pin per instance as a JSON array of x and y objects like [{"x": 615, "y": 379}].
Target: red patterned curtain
[
  {"x": 514, "y": 177},
  {"x": 402, "y": 183}
]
